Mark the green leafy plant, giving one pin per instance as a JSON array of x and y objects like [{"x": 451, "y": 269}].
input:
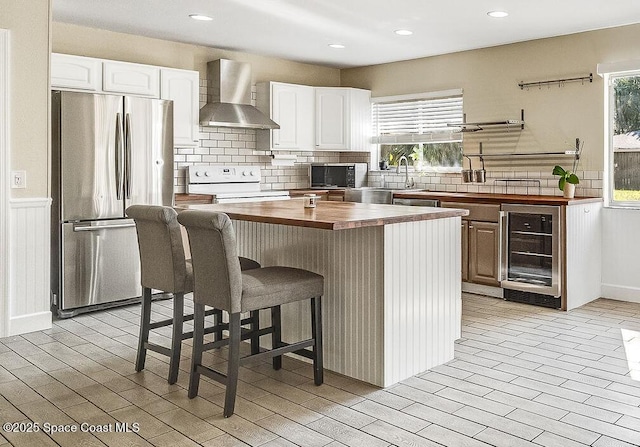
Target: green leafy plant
[{"x": 565, "y": 177}]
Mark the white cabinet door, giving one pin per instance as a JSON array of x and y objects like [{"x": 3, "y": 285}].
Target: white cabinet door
[
  {"x": 292, "y": 109},
  {"x": 332, "y": 111},
  {"x": 360, "y": 125},
  {"x": 182, "y": 86},
  {"x": 76, "y": 72},
  {"x": 124, "y": 77}
]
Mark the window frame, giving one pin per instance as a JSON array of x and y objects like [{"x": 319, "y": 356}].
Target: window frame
[
  {"x": 455, "y": 135},
  {"x": 611, "y": 72}
]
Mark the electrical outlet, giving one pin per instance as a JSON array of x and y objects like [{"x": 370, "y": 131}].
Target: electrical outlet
[{"x": 19, "y": 179}]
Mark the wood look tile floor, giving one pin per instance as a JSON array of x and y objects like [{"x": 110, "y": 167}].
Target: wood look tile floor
[{"x": 522, "y": 376}]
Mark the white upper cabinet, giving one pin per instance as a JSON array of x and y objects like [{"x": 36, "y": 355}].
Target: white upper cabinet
[
  {"x": 105, "y": 76},
  {"x": 291, "y": 106},
  {"x": 360, "y": 120},
  {"x": 182, "y": 86},
  {"x": 332, "y": 109},
  {"x": 124, "y": 77},
  {"x": 76, "y": 72},
  {"x": 343, "y": 119},
  {"x": 315, "y": 118}
]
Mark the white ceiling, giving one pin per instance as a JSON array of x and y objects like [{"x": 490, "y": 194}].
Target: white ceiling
[{"x": 301, "y": 30}]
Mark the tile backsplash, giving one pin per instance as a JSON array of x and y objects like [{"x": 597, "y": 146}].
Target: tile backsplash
[
  {"x": 219, "y": 145},
  {"x": 499, "y": 182}
]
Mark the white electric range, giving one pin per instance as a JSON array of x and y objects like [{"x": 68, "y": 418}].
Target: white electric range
[{"x": 230, "y": 184}]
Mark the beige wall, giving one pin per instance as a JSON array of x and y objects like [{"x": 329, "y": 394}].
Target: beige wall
[
  {"x": 73, "y": 39},
  {"x": 29, "y": 83},
  {"x": 554, "y": 116}
]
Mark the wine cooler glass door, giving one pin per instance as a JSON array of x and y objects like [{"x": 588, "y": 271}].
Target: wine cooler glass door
[{"x": 531, "y": 244}]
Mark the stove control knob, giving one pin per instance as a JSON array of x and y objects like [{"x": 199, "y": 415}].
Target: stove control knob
[
  {"x": 198, "y": 174},
  {"x": 207, "y": 174},
  {"x": 252, "y": 173},
  {"x": 245, "y": 173}
]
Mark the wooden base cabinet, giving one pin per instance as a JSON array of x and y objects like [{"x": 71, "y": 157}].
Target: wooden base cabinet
[
  {"x": 480, "y": 243},
  {"x": 484, "y": 253}
]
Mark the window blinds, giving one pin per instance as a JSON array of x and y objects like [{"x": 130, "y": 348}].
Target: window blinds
[{"x": 401, "y": 120}]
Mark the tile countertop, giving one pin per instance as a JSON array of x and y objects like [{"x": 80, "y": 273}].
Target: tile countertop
[{"x": 327, "y": 215}]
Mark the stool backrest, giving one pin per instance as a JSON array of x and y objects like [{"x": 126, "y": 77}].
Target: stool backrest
[
  {"x": 162, "y": 260},
  {"x": 216, "y": 269}
]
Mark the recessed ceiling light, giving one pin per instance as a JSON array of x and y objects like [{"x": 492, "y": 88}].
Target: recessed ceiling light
[
  {"x": 403, "y": 32},
  {"x": 336, "y": 45},
  {"x": 497, "y": 14},
  {"x": 200, "y": 17}
]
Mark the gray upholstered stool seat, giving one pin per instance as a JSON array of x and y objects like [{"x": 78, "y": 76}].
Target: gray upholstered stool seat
[
  {"x": 273, "y": 286},
  {"x": 164, "y": 267},
  {"x": 220, "y": 283}
]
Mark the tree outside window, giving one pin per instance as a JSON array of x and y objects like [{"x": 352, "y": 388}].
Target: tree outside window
[
  {"x": 625, "y": 151},
  {"x": 424, "y": 155}
]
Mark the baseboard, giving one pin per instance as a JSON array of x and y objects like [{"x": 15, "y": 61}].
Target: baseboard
[
  {"x": 480, "y": 289},
  {"x": 29, "y": 323},
  {"x": 621, "y": 293}
]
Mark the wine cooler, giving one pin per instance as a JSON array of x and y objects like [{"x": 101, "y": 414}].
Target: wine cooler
[{"x": 531, "y": 253}]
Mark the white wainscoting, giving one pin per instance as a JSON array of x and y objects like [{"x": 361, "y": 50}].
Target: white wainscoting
[
  {"x": 422, "y": 296},
  {"x": 29, "y": 252},
  {"x": 382, "y": 323},
  {"x": 584, "y": 253},
  {"x": 621, "y": 254}
]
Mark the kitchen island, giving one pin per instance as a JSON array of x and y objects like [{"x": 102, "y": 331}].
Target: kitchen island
[{"x": 392, "y": 302}]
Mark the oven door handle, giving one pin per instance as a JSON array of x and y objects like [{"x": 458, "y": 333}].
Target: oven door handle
[{"x": 502, "y": 246}]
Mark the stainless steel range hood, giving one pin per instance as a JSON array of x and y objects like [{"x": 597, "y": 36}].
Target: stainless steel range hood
[{"x": 229, "y": 97}]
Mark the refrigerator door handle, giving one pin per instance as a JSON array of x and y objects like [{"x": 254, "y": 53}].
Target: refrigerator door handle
[
  {"x": 127, "y": 130},
  {"x": 101, "y": 227},
  {"x": 119, "y": 155}
]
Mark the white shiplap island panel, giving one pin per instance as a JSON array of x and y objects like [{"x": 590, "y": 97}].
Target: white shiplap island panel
[{"x": 392, "y": 303}]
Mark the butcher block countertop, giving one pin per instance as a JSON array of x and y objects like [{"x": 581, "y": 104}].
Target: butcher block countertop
[
  {"x": 327, "y": 215},
  {"x": 468, "y": 197},
  {"x": 462, "y": 197}
]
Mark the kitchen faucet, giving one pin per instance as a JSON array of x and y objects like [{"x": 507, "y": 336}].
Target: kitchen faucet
[{"x": 407, "y": 184}]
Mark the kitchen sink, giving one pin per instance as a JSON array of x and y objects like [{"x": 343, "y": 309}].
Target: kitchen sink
[{"x": 372, "y": 194}]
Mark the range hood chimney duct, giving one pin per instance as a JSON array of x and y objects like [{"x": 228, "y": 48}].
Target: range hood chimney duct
[{"x": 229, "y": 97}]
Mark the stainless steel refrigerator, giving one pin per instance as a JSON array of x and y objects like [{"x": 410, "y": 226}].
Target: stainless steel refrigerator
[{"x": 108, "y": 152}]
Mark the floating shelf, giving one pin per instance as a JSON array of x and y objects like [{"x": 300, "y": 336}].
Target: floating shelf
[{"x": 480, "y": 125}]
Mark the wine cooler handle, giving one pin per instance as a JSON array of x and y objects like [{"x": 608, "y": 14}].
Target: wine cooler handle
[{"x": 502, "y": 246}]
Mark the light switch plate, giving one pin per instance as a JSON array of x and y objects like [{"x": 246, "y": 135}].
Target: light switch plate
[{"x": 18, "y": 179}]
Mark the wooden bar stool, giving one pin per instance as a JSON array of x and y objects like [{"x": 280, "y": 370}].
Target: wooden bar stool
[
  {"x": 220, "y": 283},
  {"x": 164, "y": 267}
]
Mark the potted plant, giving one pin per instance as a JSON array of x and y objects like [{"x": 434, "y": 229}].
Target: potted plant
[{"x": 568, "y": 180}]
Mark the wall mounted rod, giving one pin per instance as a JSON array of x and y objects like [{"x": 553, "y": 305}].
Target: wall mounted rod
[{"x": 560, "y": 82}]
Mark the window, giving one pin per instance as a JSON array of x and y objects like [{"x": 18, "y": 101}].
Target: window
[
  {"x": 622, "y": 158},
  {"x": 419, "y": 127}
]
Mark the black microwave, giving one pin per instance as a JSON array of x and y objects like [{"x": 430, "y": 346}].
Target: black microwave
[{"x": 338, "y": 175}]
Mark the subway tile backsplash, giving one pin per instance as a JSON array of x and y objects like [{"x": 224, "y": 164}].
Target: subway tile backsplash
[
  {"x": 499, "y": 182},
  {"x": 220, "y": 145}
]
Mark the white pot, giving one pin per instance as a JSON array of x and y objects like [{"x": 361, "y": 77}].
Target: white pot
[{"x": 569, "y": 190}]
